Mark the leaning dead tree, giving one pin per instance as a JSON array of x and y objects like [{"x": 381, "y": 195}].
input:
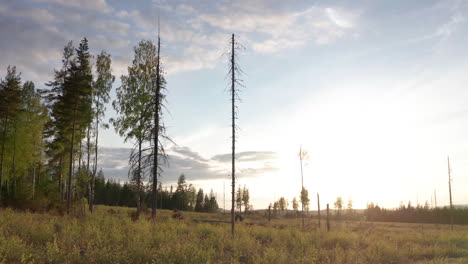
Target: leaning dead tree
[{"x": 235, "y": 83}]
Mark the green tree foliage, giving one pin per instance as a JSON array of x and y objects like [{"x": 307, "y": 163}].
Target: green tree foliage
[
  {"x": 69, "y": 101},
  {"x": 246, "y": 198},
  {"x": 210, "y": 203},
  {"x": 338, "y": 205},
  {"x": 56, "y": 135},
  {"x": 10, "y": 99},
  {"x": 283, "y": 204},
  {"x": 200, "y": 202},
  {"x": 102, "y": 86},
  {"x": 349, "y": 208},
  {"x": 305, "y": 198},
  {"x": 136, "y": 108},
  {"x": 295, "y": 204},
  {"x": 276, "y": 207},
  {"x": 184, "y": 198},
  {"x": 76, "y": 104},
  {"x": 110, "y": 192},
  {"x": 239, "y": 199},
  {"x": 418, "y": 214},
  {"x": 23, "y": 117}
]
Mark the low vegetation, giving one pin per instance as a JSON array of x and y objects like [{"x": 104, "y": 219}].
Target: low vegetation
[{"x": 109, "y": 235}]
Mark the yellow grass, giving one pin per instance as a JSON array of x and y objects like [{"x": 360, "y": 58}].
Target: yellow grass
[{"x": 110, "y": 236}]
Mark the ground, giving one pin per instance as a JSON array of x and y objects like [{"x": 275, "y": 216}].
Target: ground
[{"x": 109, "y": 235}]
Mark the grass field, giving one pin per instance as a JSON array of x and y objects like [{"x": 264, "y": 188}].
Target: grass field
[{"x": 110, "y": 236}]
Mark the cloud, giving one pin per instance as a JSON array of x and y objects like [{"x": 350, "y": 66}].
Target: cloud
[
  {"x": 259, "y": 171},
  {"x": 94, "y": 5},
  {"x": 187, "y": 152},
  {"x": 281, "y": 29},
  {"x": 183, "y": 160},
  {"x": 337, "y": 18},
  {"x": 446, "y": 29},
  {"x": 114, "y": 27},
  {"x": 194, "y": 36},
  {"x": 37, "y": 36},
  {"x": 247, "y": 156}
]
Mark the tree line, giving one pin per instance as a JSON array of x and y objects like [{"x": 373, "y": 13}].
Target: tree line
[
  {"x": 417, "y": 214},
  {"x": 183, "y": 196},
  {"x": 49, "y": 137}
]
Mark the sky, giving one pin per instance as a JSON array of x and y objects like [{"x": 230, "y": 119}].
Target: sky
[{"x": 374, "y": 90}]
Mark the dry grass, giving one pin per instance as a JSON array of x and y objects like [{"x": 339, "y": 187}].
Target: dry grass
[{"x": 110, "y": 236}]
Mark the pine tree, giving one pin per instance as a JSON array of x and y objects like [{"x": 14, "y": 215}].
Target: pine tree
[
  {"x": 10, "y": 96},
  {"x": 76, "y": 104},
  {"x": 56, "y": 133}
]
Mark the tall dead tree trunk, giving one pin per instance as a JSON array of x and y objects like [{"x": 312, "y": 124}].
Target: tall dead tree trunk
[
  {"x": 318, "y": 209},
  {"x": 233, "y": 172},
  {"x": 450, "y": 194},
  {"x": 156, "y": 133},
  {"x": 302, "y": 188}
]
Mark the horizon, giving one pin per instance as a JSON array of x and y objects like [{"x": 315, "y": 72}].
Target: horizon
[{"x": 373, "y": 91}]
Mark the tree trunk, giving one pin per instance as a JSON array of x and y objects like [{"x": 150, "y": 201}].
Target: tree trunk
[
  {"x": 60, "y": 183},
  {"x": 2, "y": 159},
  {"x": 450, "y": 194},
  {"x": 88, "y": 156},
  {"x": 34, "y": 172},
  {"x": 139, "y": 178},
  {"x": 80, "y": 154},
  {"x": 156, "y": 135},
  {"x": 93, "y": 176},
  {"x": 233, "y": 173},
  {"x": 70, "y": 169},
  {"x": 14, "y": 164},
  {"x": 318, "y": 209},
  {"x": 34, "y": 183}
]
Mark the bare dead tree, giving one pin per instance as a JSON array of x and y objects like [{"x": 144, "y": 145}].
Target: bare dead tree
[
  {"x": 157, "y": 110},
  {"x": 234, "y": 72},
  {"x": 318, "y": 209},
  {"x": 450, "y": 193}
]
